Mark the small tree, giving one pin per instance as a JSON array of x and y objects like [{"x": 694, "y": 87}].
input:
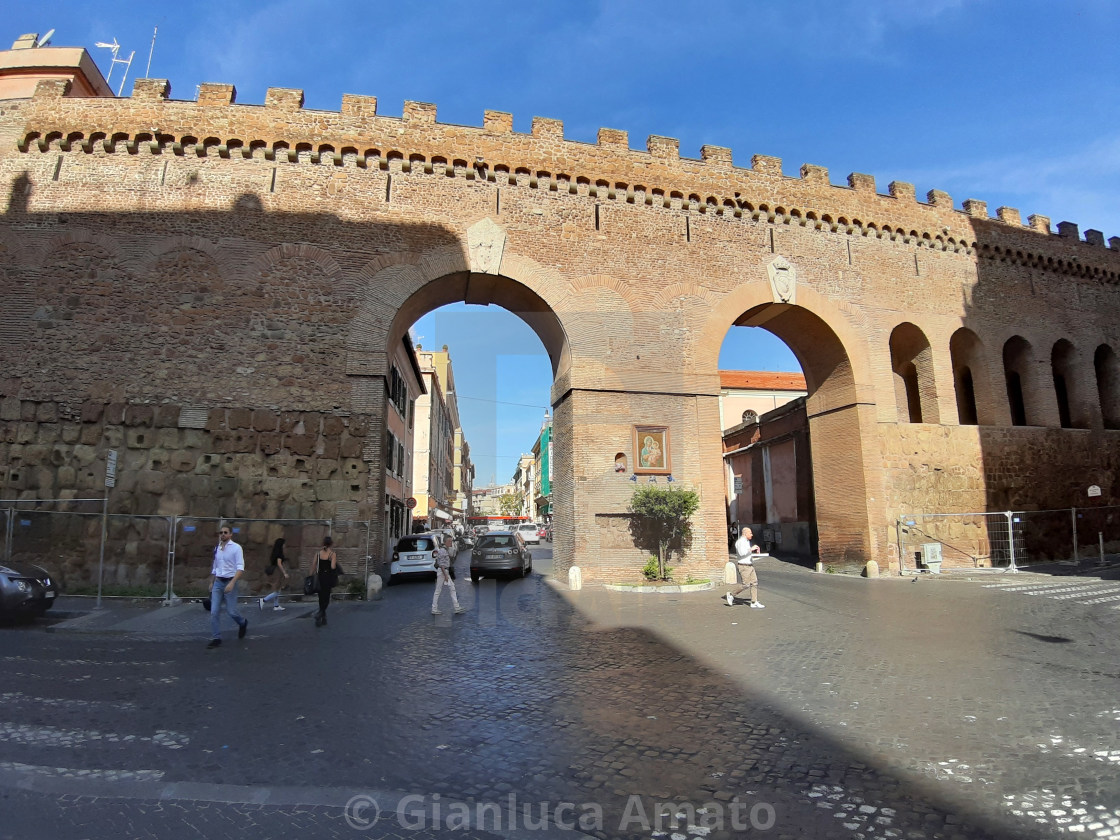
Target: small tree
[
  {"x": 510, "y": 504},
  {"x": 662, "y": 520}
]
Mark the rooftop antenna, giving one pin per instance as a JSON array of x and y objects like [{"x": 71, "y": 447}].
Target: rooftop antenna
[
  {"x": 148, "y": 72},
  {"x": 127, "y": 62},
  {"x": 46, "y": 39}
]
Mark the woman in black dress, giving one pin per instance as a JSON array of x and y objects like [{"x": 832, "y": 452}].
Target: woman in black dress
[{"x": 326, "y": 569}]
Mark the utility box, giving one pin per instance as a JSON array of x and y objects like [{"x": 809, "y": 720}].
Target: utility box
[{"x": 931, "y": 557}]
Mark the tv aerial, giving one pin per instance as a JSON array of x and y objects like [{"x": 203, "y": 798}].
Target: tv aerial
[{"x": 127, "y": 62}]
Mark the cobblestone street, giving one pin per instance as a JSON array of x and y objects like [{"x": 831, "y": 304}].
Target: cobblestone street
[{"x": 847, "y": 708}]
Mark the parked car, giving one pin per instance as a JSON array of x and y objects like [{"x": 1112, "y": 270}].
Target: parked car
[
  {"x": 501, "y": 552},
  {"x": 542, "y": 533},
  {"x": 413, "y": 556},
  {"x": 528, "y": 532},
  {"x": 26, "y": 589}
]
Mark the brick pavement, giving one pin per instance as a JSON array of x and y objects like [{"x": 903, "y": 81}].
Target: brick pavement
[{"x": 851, "y": 708}]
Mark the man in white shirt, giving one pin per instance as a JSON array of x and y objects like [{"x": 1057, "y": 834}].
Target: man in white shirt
[
  {"x": 229, "y": 565},
  {"x": 744, "y": 565}
]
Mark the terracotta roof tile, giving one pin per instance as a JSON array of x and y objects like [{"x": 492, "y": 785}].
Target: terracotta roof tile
[{"x": 760, "y": 380}]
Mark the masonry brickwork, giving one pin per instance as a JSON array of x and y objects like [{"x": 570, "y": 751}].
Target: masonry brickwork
[{"x": 260, "y": 261}]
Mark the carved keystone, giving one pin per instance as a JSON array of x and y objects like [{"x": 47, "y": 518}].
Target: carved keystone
[
  {"x": 52, "y": 88},
  {"x": 1068, "y": 230},
  {"x": 716, "y": 154},
  {"x": 359, "y": 106},
  {"x": 419, "y": 113},
  {"x": 766, "y": 165},
  {"x": 548, "y": 128},
  {"x": 813, "y": 174},
  {"x": 663, "y": 148},
  {"x": 497, "y": 122},
  {"x": 861, "y": 183},
  {"x": 613, "y": 138},
  {"x": 939, "y": 198},
  {"x": 902, "y": 190},
  {"x": 283, "y": 99},
  {"x": 1009, "y": 215},
  {"x": 1039, "y": 223},
  {"x": 486, "y": 242},
  {"x": 1094, "y": 237},
  {"x": 217, "y": 95},
  {"x": 975, "y": 208}
]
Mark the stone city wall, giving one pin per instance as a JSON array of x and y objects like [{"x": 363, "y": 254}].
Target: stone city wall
[{"x": 266, "y": 257}]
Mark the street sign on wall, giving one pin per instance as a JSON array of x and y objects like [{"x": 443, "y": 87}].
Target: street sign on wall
[{"x": 111, "y": 469}]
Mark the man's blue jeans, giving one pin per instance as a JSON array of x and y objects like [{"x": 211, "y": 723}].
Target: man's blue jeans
[{"x": 217, "y": 595}]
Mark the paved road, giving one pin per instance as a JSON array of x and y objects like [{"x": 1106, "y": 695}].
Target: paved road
[{"x": 847, "y": 708}]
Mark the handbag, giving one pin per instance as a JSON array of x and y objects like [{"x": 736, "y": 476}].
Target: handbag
[{"x": 311, "y": 585}]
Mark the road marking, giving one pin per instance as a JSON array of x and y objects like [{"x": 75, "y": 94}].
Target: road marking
[
  {"x": 1080, "y": 588},
  {"x": 1024, "y": 588},
  {"x": 20, "y": 697},
  {"x": 52, "y": 736},
  {"x": 1101, "y": 600},
  {"x": 66, "y": 662},
  {"x": 71, "y": 773},
  {"x": 1098, "y": 590},
  {"x": 86, "y": 678}
]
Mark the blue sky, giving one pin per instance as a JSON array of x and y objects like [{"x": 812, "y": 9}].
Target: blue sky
[{"x": 1013, "y": 102}]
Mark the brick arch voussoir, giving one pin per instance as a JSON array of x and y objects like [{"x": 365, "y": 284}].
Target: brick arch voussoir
[
  {"x": 82, "y": 236},
  {"x": 381, "y": 294},
  {"x": 548, "y": 283},
  {"x": 599, "y": 281},
  {"x": 227, "y": 268},
  {"x": 290, "y": 250},
  {"x": 680, "y": 291}
]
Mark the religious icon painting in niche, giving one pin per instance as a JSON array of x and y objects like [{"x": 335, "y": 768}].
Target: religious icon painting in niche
[{"x": 651, "y": 450}]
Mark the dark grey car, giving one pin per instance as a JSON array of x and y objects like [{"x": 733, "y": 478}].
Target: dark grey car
[
  {"x": 500, "y": 552},
  {"x": 25, "y": 589}
]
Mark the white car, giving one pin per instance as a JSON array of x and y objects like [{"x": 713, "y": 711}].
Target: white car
[
  {"x": 529, "y": 533},
  {"x": 413, "y": 555}
]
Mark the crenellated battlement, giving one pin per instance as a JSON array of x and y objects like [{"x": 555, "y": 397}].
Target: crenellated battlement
[{"x": 608, "y": 170}]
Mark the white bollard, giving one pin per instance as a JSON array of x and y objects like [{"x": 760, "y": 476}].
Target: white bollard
[
  {"x": 871, "y": 570},
  {"x": 575, "y": 578},
  {"x": 729, "y": 575},
  {"x": 373, "y": 588}
]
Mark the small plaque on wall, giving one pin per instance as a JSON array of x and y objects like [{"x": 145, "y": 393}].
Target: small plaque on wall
[{"x": 651, "y": 450}]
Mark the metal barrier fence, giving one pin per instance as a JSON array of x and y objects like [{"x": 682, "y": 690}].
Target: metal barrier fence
[
  {"x": 85, "y": 547},
  {"x": 1007, "y": 539}
]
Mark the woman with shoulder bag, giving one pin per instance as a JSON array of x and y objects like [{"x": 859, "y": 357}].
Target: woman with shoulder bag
[{"x": 325, "y": 568}]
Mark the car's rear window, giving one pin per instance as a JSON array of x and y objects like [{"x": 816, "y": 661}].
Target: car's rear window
[
  {"x": 416, "y": 544},
  {"x": 504, "y": 541}
]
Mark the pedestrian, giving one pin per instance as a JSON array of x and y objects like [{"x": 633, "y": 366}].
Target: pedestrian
[
  {"x": 275, "y": 565},
  {"x": 229, "y": 565},
  {"x": 442, "y": 556},
  {"x": 326, "y": 569},
  {"x": 744, "y": 567}
]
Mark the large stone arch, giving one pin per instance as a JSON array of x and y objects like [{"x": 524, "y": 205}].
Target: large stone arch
[
  {"x": 393, "y": 293},
  {"x": 840, "y": 407}
]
